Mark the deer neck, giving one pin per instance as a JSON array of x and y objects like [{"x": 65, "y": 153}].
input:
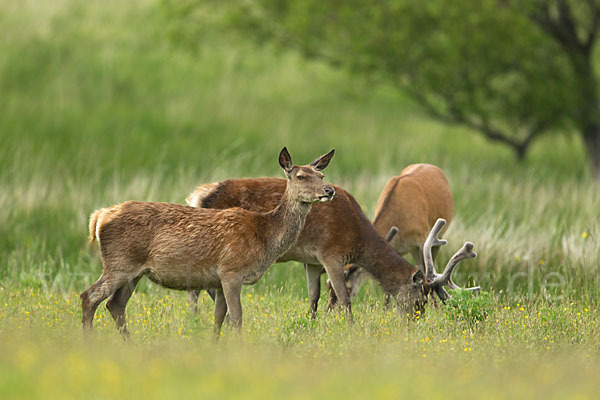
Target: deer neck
[
  {"x": 387, "y": 267},
  {"x": 285, "y": 223}
]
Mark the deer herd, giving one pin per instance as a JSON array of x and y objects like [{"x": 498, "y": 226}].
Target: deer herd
[{"x": 231, "y": 232}]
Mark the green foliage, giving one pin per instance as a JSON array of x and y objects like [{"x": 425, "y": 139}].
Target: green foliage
[
  {"x": 491, "y": 66},
  {"x": 521, "y": 347},
  {"x": 469, "y": 307},
  {"x": 122, "y": 114}
]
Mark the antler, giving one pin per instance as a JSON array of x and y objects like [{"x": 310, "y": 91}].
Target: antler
[
  {"x": 446, "y": 277},
  {"x": 390, "y": 235},
  {"x": 437, "y": 281},
  {"x": 465, "y": 252},
  {"x": 432, "y": 240}
]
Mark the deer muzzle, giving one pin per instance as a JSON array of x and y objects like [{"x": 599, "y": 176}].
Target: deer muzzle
[{"x": 329, "y": 193}]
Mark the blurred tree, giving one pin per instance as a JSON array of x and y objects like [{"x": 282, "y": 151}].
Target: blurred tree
[{"x": 509, "y": 69}]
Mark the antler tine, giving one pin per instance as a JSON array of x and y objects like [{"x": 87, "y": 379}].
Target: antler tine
[
  {"x": 432, "y": 240},
  {"x": 393, "y": 231},
  {"x": 442, "y": 293},
  {"x": 452, "y": 285},
  {"x": 446, "y": 278}
]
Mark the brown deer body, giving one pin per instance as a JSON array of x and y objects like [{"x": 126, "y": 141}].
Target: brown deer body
[
  {"x": 412, "y": 202},
  {"x": 335, "y": 234},
  {"x": 185, "y": 248},
  {"x": 332, "y": 235}
]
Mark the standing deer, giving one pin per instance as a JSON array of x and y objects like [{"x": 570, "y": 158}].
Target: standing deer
[
  {"x": 187, "y": 248},
  {"x": 335, "y": 234},
  {"x": 411, "y": 203}
]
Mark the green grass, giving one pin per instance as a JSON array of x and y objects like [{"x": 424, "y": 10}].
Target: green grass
[
  {"x": 100, "y": 105},
  {"x": 518, "y": 350}
]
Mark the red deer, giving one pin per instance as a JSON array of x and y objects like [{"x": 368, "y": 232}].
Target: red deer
[
  {"x": 411, "y": 202},
  {"x": 335, "y": 234},
  {"x": 187, "y": 248}
]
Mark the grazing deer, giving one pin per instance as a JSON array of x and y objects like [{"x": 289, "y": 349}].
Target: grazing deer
[
  {"x": 187, "y": 248},
  {"x": 335, "y": 234},
  {"x": 411, "y": 203}
]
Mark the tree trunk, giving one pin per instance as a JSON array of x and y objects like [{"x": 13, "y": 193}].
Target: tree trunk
[
  {"x": 591, "y": 136},
  {"x": 521, "y": 151},
  {"x": 589, "y": 110}
]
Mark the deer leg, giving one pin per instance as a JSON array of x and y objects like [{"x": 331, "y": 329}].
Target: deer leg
[
  {"x": 89, "y": 303},
  {"x": 212, "y": 293},
  {"x": 313, "y": 278},
  {"x": 193, "y": 301},
  {"x": 332, "y": 297},
  {"x": 335, "y": 270},
  {"x": 103, "y": 288},
  {"x": 193, "y": 296},
  {"x": 355, "y": 277},
  {"x": 220, "y": 311},
  {"x": 232, "y": 289},
  {"x": 117, "y": 302},
  {"x": 387, "y": 302}
]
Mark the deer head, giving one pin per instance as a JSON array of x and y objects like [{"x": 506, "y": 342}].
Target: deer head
[
  {"x": 413, "y": 296},
  {"x": 305, "y": 183}
]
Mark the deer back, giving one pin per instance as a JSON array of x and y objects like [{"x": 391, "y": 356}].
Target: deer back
[
  {"x": 335, "y": 227},
  {"x": 136, "y": 233},
  {"x": 413, "y": 202}
]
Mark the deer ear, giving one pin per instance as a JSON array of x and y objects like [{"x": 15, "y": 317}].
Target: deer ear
[
  {"x": 322, "y": 162},
  {"x": 418, "y": 277},
  {"x": 285, "y": 160}
]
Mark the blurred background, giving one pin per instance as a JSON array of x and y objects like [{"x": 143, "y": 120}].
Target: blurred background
[{"x": 106, "y": 101}]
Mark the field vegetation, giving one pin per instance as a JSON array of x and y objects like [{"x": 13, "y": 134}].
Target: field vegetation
[{"x": 100, "y": 104}]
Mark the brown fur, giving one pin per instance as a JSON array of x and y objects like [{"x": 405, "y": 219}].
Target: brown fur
[
  {"x": 412, "y": 202},
  {"x": 335, "y": 234},
  {"x": 181, "y": 247}
]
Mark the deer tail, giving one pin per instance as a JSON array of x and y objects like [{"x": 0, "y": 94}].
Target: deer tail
[
  {"x": 202, "y": 196},
  {"x": 93, "y": 224}
]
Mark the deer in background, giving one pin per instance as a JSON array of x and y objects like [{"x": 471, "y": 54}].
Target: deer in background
[
  {"x": 187, "y": 248},
  {"x": 406, "y": 211},
  {"x": 335, "y": 234}
]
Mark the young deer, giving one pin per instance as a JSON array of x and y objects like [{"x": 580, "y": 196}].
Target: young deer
[
  {"x": 335, "y": 234},
  {"x": 186, "y": 248},
  {"x": 411, "y": 203}
]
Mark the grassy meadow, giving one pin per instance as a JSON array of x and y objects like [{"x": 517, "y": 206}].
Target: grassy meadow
[{"x": 101, "y": 102}]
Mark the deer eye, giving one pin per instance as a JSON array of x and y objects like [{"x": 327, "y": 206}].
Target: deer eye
[{"x": 301, "y": 177}]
